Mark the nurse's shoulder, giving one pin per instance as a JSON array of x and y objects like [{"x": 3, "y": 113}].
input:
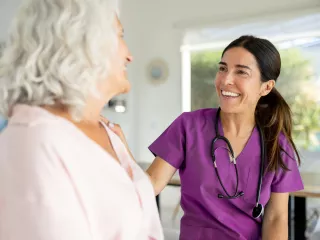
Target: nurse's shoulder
[
  {"x": 197, "y": 117},
  {"x": 287, "y": 178}
]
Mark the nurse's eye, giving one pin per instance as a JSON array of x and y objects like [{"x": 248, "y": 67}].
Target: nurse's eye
[
  {"x": 241, "y": 72},
  {"x": 222, "y": 69}
]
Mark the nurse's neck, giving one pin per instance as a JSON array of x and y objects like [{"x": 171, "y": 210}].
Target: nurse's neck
[{"x": 237, "y": 124}]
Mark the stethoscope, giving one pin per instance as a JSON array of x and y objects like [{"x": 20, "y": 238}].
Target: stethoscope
[{"x": 258, "y": 209}]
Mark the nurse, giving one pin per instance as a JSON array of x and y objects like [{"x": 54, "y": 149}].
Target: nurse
[{"x": 220, "y": 193}]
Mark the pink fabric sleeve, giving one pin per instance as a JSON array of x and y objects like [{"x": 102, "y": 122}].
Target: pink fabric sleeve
[{"x": 38, "y": 200}]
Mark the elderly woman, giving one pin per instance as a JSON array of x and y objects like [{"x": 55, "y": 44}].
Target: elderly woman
[{"x": 64, "y": 175}]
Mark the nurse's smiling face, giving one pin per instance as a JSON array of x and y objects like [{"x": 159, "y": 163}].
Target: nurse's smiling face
[{"x": 238, "y": 81}]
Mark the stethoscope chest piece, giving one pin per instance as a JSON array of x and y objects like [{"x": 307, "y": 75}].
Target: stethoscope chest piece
[{"x": 258, "y": 211}]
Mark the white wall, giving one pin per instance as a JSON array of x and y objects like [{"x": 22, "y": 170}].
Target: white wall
[
  {"x": 155, "y": 29},
  {"x": 7, "y": 8}
]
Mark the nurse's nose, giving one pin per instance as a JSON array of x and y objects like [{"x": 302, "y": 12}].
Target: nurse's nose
[{"x": 228, "y": 79}]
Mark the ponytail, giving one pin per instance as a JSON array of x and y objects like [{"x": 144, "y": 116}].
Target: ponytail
[{"x": 275, "y": 118}]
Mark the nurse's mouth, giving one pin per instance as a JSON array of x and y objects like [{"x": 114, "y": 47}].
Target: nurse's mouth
[{"x": 229, "y": 94}]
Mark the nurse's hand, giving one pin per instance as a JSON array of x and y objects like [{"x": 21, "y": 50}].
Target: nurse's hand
[{"x": 116, "y": 129}]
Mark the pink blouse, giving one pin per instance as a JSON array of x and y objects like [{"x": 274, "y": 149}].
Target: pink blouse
[{"x": 58, "y": 184}]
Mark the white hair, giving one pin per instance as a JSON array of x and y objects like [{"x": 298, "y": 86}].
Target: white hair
[{"x": 57, "y": 52}]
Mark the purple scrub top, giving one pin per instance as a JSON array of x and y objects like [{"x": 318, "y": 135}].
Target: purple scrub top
[{"x": 186, "y": 145}]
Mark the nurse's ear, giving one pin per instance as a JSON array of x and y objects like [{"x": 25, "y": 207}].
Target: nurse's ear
[{"x": 266, "y": 87}]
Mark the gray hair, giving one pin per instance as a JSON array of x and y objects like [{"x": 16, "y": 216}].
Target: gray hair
[{"x": 57, "y": 52}]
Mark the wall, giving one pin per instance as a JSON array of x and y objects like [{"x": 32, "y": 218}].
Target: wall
[
  {"x": 7, "y": 8},
  {"x": 155, "y": 29}
]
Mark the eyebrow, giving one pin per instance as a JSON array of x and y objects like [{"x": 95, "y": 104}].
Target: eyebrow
[{"x": 237, "y": 65}]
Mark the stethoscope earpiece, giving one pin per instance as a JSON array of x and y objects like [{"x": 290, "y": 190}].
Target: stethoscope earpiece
[{"x": 257, "y": 211}]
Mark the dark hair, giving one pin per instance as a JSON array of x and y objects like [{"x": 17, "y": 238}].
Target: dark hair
[{"x": 272, "y": 113}]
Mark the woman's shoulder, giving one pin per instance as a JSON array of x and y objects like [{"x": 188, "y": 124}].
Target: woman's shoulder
[
  {"x": 34, "y": 129},
  {"x": 198, "y": 115},
  {"x": 284, "y": 141},
  {"x": 287, "y": 150}
]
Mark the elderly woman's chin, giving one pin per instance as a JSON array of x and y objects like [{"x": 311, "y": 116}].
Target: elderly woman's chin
[
  {"x": 124, "y": 86},
  {"x": 127, "y": 87}
]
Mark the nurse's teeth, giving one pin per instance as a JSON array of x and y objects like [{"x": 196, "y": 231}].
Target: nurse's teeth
[{"x": 230, "y": 94}]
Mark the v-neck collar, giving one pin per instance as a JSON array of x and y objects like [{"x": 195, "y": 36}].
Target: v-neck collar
[
  {"x": 117, "y": 145},
  {"x": 248, "y": 143}
]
